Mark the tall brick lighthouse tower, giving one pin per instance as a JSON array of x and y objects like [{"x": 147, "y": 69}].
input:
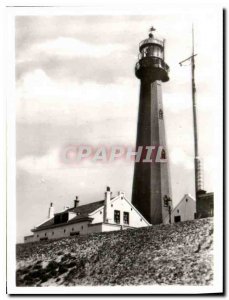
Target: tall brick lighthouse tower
[{"x": 151, "y": 192}]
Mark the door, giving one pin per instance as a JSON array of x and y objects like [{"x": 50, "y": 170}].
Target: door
[{"x": 177, "y": 219}]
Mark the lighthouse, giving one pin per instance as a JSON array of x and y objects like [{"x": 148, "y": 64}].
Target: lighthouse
[{"x": 151, "y": 192}]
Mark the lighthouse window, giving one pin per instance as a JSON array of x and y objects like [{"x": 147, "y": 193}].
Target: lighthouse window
[
  {"x": 117, "y": 216},
  {"x": 126, "y": 217},
  {"x": 166, "y": 199},
  {"x": 163, "y": 154},
  {"x": 160, "y": 114},
  {"x": 149, "y": 51}
]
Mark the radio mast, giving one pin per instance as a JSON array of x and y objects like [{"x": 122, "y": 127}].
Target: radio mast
[{"x": 197, "y": 162}]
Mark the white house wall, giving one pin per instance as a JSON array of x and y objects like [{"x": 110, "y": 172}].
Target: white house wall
[
  {"x": 98, "y": 215},
  {"x": 29, "y": 239},
  {"x": 95, "y": 228},
  {"x": 61, "y": 231}
]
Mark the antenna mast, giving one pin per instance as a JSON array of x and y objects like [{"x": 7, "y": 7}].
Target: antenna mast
[{"x": 197, "y": 162}]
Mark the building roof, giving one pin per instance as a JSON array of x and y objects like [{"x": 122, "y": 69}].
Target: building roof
[
  {"x": 87, "y": 208},
  {"x": 81, "y": 211}
]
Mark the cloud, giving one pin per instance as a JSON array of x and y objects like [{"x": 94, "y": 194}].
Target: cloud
[
  {"x": 40, "y": 99},
  {"x": 64, "y": 46},
  {"x": 39, "y": 164},
  {"x": 80, "y": 68}
]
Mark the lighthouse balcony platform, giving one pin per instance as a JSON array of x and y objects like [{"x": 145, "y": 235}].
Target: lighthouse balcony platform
[{"x": 152, "y": 68}]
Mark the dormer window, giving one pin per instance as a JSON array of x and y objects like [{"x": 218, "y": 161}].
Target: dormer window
[{"x": 61, "y": 218}]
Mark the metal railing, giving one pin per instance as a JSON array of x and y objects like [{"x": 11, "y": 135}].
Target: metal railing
[{"x": 152, "y": 61}]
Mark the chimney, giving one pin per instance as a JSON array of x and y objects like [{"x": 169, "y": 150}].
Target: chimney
[
  {"x": 76, "y": 202},
  {"x": 107, "y": 206},
  {"x": 121, "y": 193},
  {"x": 51, "y": 211}
]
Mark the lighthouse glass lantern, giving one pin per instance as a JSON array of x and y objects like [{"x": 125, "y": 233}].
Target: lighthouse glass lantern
[{"x": 151, "y": 59}]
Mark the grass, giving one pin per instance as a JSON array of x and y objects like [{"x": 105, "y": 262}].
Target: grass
[{"x": 163, "y": 254}]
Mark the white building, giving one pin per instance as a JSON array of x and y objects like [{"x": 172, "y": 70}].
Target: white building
[
  {"x": 110, "y": 214},
  {"x": 184, "y": 211}
]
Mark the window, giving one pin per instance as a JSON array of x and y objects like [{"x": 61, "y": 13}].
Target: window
[
  {"x": 82, "y": 227},
  {"x": 160, "y": 114},
  {"x": 45, "y": 234},
  {"x": 101, "y": 212},
  {"x": 52, "y": 233},
  {"x": 186, "y": 200},
  {"x": 178, "y": 211},
  {"x": 211, "y": 210},
  {"x": 117, "y": 216},
  {"x": 61, "y": 218},
  {"x": 72, "y": 229},
  {"x": 74, "y": 233},
  {"x": 126, "y": 217},
  {"x": 37, "y": 235},
  {"x": 64, "y": 230},
  {"x": 166, "y": 201},
  {"x": 163, "y": 154}
]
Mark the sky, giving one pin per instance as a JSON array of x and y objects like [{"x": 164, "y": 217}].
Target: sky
[{"x": 75, "y": 85}]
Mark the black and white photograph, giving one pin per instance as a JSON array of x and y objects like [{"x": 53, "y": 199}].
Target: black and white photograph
[{"x": 115, "y": 130}]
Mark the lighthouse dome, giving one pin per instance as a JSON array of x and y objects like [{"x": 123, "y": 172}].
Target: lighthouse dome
[{"x": 151, "y": 40}]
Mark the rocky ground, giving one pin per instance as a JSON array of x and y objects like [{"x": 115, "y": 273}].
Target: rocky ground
[{"x": 163, "y": 254}]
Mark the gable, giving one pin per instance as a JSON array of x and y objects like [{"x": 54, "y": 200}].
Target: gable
[
  {"x": 186, "y": 201},
  {"x": 120, "y": 203},
  {"x": 186, "y": 209}
]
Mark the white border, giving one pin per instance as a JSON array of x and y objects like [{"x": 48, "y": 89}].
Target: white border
[{"x": 93, "y": 8}]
